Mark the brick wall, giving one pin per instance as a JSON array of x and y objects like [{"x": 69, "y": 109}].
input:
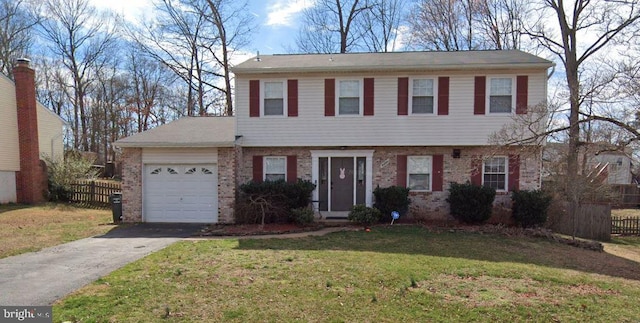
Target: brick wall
[
  {"x": 227, "y": 170},
  {"x": 425, "y": 205},
  {"x": 132, "y": 184}
]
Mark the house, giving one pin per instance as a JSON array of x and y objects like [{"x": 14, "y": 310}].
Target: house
[
  {"x": 28, "y": 131},
  {"x": 349, "y": 123}
]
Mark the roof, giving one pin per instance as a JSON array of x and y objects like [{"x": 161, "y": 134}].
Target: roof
[
  {"x": 394, "y": 61},
  {"x": 186, "y": 132}
]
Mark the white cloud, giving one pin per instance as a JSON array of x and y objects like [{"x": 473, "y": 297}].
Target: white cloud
[
  {"x": 282, "y": 12},
  {"x": 130, "y": 9}
]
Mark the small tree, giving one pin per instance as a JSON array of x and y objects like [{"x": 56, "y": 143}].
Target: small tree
[{"x": 62, "y": 172}]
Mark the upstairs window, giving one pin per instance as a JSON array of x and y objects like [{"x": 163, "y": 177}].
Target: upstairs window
[
  {"x": 422, "y": 98},
  {"x": 349, "y": 97},
  {"x": 275, "y": 168},
  {"x": 501, "y": 95},
  {"x": 419, "y": 173},
  {"x": 273, "y": 98},
  {"x": 494, "y": 173}
]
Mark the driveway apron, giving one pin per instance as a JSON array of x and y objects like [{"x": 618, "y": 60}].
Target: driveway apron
[{"x": 40, "y": 278}]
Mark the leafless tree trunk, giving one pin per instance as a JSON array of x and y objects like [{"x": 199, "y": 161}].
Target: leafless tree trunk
[{"x": 380, "y": 25}]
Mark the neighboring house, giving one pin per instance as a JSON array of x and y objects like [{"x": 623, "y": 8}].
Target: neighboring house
[
  {"x": 616, "y": 165},
  {"x": 348, "y": 123},
  {"x": 28, "y": 131}
]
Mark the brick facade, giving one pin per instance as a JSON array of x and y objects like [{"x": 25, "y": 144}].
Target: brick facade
[
  {"x": 132, "y": 184},
  {"x": 227, "y": 173}
]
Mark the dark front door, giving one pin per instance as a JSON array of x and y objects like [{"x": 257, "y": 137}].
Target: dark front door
[{"x": 341, "y": 183}]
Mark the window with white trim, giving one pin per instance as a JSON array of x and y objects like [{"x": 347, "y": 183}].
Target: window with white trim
[
  {"x": 275, "y": 168},
  {"x": 274, "y": 98},
  {"x": 349, "y": 93},
  {"x": 419, "y": 173},
  {"x": 422, "y": 96},
  {"x": 501, "y": 97},
  {"x": 494, "y": 173}
]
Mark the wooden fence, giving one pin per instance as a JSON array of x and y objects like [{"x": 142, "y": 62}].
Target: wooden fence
[
  {"x": 625, "y": 225},
  {"x": 94, "y": 193},
  {"x": 629, "y": 196},
  {"x": 593, "y": 221}
]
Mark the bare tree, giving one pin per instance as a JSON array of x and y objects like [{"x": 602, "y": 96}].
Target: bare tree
[
  {"x": 380, "y": 25},
  {"x": 332, "y": 26},
  {"x": 444, "y": 25},
  {"x": 79, "y": 36},
  {"x": 17, "y": 19},
  {"x": 500, "y": 23}
]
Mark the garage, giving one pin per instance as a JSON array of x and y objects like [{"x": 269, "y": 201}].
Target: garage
[{"x": 181, "y": 193}]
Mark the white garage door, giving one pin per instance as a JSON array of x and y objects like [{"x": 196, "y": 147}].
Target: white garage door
[{"x": 181, "y": 193}]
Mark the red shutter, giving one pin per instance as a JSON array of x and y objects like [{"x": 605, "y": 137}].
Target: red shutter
[
  {"x": 443, "y": 96},
  {"x": 257, "y": 169},
  {"x": 329, "y": 97},
  {"x": 522, "y": 92},
  {"x": 476, "y": 171},
  {"x": 254, "y": 98},
  {"x": 514, "y": 172},
  {"x": 479, "y": 101},
  {"x": 403, "y": 96},
  {"x": 401, "y": 179},
  {"x": 292, "y": 169},
  {"x": 292, "y": 98},
  {"x": 438, "y": 172},
  {"x": 368, "y": 96}
]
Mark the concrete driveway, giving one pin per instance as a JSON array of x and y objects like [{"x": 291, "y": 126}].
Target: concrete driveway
[{"x": 40, "y": 278}]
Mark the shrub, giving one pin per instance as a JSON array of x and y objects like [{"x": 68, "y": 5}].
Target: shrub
[
  {"x": 272, "y": 200},
  {"x": 302, "y": 216},
  {"x": 364, "y": 215},
  {"x": 393, "y": 198},
  {"x": 61, "y": 173},
  {"x": 469, "y": 203},
  {"x": 529, "y": 208}
]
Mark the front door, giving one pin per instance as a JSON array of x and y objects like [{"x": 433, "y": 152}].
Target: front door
[{"x": 341, "y": 183}]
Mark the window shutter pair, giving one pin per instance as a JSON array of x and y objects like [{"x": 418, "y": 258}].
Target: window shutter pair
[
  {"x": 330, "y": 97},
  {"x": 292, "y": 168},
  {"x": 437, "y": 172},
  {"x": 513, "y": 172},
  {"x": 443, "y": 96},
  {"x": 480, "y": 92},
  {"x": 254, "y": 98}
]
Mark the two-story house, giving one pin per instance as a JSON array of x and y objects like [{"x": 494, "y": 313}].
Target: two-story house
[{"x": 352, "y": 122}]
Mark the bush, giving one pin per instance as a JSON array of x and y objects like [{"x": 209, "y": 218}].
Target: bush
[
  {"x": 364, "y": 215},
  {"x": 61, "y": 173},
  {"x": 393, "y": 198},
  {"x": 273, "y": 199},
  {"x": 469, "y": 203},
  {"x": 529, "y": 208},
  {"x": 302, "y": 216}
]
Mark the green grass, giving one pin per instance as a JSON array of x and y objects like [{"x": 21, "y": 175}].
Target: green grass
[
  {"x": 31, "y": 228},
  {"x": 393, "y": 274}
]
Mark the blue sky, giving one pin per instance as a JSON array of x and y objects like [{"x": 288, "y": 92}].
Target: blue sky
[{"x": 276, "y": 20}]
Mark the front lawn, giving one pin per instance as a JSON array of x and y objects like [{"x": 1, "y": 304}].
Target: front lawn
[
  {"x": 392, "y": 274},
  {"x": 31, "y": 228}
]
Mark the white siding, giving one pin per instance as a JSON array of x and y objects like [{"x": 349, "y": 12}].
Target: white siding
[
  {"x": 7, "y": 187},
  {"x": 9, "y": 150},
  {"x": 311, "y": 128},
  {"x": 50, "y": 134},
  {"x": 179, "y": 156}
]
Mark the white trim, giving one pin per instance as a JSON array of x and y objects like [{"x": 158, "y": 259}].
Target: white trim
[
  {"x": 285, "y": 110},
  {"x": 430, "y": 173},
  {"x": 506, "y": 171},
  {"x": 264, "y": 166},
  {"x": 488, "y": 94},
  {"x": 435, "y": 95},
  {"x": 315, "y": 167},
  {"x": 360, "y": 99}
]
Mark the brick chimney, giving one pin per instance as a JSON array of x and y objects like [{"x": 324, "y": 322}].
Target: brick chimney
[{"x": 30, "y": 179}]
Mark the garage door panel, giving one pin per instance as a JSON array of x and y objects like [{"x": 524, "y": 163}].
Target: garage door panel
[{"x": 181, "y": 193}]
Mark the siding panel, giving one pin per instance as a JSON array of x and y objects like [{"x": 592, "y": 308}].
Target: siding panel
[{"x": 9, "y": 150}]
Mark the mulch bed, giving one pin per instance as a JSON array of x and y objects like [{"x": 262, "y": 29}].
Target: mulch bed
[{"x": 257, "y": 229}]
